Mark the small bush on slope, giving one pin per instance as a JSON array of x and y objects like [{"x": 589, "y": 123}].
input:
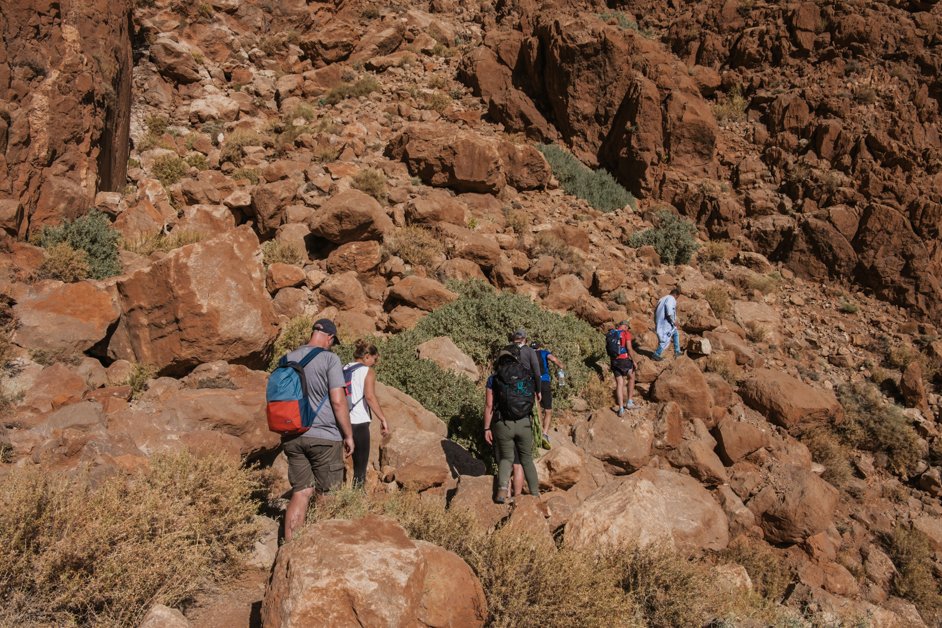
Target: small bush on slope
[
  {"x": 598, "y": 187},
  {"x": 911, "y": 552},
  {"x": 674, "y": 238},
  {"x": 74, "y": 553},
  {"x": 91, "y": 233},
  {"x": 293, "y": 334}
]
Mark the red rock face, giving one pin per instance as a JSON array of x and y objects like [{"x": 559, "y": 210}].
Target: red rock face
[{"x": 65, "y": 99}]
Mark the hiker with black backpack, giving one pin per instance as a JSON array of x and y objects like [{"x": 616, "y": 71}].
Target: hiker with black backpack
[
  {"x": 515, "y": 486},
  {"x": 307, "y": 405},
  {"x": 618, "y": 348},
  {"x": 360, "y": 381},
  {"x": 516, "y": 389}
]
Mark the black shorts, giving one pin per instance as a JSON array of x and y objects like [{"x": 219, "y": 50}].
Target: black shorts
[
  {"x": 622, "y": 367},
  {"x": 546, "y": 395}
]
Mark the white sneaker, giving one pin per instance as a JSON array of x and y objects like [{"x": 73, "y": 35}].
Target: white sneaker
[{"x": 630, "y": 405}]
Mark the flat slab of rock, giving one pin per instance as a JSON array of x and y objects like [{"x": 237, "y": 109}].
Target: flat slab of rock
[
  {"x": 368, "y": 572},
  {"x": 650, "y": 506},
  {"x": 786, "y": 400},
  {"x": 446, "y": 354},
  {"x": 63, "y": 317}
]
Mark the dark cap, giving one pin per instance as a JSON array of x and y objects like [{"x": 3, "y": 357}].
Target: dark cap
[
  {"x": 624, "y": 323},
  {"x": 327, "y": 326},
  {"x": 520, "y": 334}
]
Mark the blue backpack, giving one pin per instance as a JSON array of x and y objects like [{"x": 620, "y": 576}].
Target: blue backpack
[
  {"x": 288, "y": 409},
  {"x": 613, "y": 343}
]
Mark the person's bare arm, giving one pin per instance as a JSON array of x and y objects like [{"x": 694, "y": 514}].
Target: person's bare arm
[
  {"x": 338, "y": 401},
  {"x": 488, "y": 412},
  {"x": 369, "y": 394},
  {"x": 552, "y": 358}
]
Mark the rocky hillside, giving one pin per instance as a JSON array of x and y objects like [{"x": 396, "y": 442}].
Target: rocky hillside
[{"x": 388, "y": 166}]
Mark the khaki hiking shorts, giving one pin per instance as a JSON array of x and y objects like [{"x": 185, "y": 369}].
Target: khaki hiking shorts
[{"x": 314, "y": 463}]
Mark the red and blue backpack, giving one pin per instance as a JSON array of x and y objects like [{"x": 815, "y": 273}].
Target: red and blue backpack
[{"x": 288, "y": 409}]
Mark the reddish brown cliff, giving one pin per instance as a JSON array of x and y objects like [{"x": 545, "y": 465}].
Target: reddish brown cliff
[{"x": 65, "y": 99}]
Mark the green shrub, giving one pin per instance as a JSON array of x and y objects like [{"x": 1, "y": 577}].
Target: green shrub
[
  {"x": 293, "y": 334},
  {"x": 371, "y": 181},
  {"x": 872, "y": 424},
  {"x": 598, "y": 187},
  {"x": 674, "y": 238},
  {"x": 362, "y": 87},
  {"x": 168, "y": 169},
  {"x": 74, "y": 553},
  {"x": 64, "y": 263},
  {"x": 198, "y": 161},
  {"x": 478, "y": 322},
  {"x": 91, "y": 233},
  {"x": 911, "y": 552},
  {"x": 248, "y": 174}
]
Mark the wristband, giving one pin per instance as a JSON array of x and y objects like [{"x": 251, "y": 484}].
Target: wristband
[{"x": 487, "y": 429}]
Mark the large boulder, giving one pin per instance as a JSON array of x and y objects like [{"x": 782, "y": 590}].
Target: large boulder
[
  {"x": 447, "y": 156},
  {"x": 683, "y": 383},
  {"x": 737, "y": 439},
  {"x": 786, "y": 400},
  {"x": 62, "y": 317},
  {"x": 443, "y": 351},
  {"x": 350, "y": 215},
  {"x": 650, "y": 506},
  {"x": 420, "y": 292},
  {"x": 622, "y": 443},
  {"x": 421, "y": 460},
  {"x": 794, "y": 505},
  {"x": 201, "y": 302},
  {"x": 368, "y": 572}
]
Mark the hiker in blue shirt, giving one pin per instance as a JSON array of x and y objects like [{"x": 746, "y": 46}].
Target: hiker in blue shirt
[{"x": 545, "y": 356}]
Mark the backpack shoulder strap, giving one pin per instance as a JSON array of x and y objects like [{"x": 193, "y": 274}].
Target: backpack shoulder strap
[
  {"x": 313, "y": 353},
  {"x": 350, "y": 368}
]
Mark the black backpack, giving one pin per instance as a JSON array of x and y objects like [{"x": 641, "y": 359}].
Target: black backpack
[{"x": 513, "y": 384}]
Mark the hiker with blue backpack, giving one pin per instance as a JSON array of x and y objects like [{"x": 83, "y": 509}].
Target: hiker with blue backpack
[
  {"x": 360, "y": 379},
  {"x": 618, "y": 348},
  {"x": 545, "y": 356},
  {"x": 307, "y": 405},
  {"x": 516, "y": 389}
]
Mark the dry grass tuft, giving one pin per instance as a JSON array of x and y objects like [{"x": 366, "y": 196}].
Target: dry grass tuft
[
  {"x": 415, "y": 245},
  {"x": 828, "y": 450},
  {"x": 718, "y": 297},
  {"x": 371, "y": 181},
  {"x": 770, "y": 573},
  {"x": 279, "y": 252},
  {"x": 915, "y": 581},
  {"x": 138, "y": 379},
  {"x": 148, "y": 244},
  {"x": 873, "y": 424},
  {"x": 64, "y": 263},
  {"x": 74, "y": 553},
  {"x": 551, "y": 245}
]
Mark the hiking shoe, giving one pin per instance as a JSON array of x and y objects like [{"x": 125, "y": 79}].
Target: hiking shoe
[
  {"x": 614, "y": 408},
  {"x": 657, "y": 358},
  {"x": 546, "y": 437},
  {"x": 621, "y": 412},
  {"x": 503, "y": 497},
  {"x": 677, "y": 354},
  {"x": 630, "y": 404}
]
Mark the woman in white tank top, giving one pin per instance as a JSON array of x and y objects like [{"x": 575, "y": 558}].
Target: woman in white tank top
[{"x": 363, "y": 405}]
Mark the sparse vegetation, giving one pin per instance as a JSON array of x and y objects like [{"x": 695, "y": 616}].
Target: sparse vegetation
[
  {"x": 146, "y": 245},
  {"x": 911, "y": 552},
  {"x": 361, "y": 87},
  {"x": 436, "y": 101},
  {"x": 828, "y": 450},
  {"x": 279, "y": 252},
  {"x": 731, "y": 107},
  {"x": 64, "y": 263},
  {"x": 415, "y": 245},
  {"x": 718, "y": 297},
  {"x": 620, "y": 18},
  {"x": 168, "y": 169},
  {"x": 138, "y": 378},
  {"x": 371, "y": 181},
  {"x": 848, "y": 307},
  {"x": 757, "y": 332},
  {"x": 78, "y": 554},
  {"x": 197, "y": 160},
  {"x": 872, "y": 424},
  {"x": 598, "y": 187},
  {"x": 769, "y": 572},
  {"x": 673, "y": 237},
  {"x": 518, "y": 222},
  {"x": 233, "y": 145},
  {"x": 248, "y": 174},
  {"x": 293, "y": 334},
  {"x": 714, "y": 251},
  {"x": 92, "y": 234},
  {"x": 551, "y": 245}
]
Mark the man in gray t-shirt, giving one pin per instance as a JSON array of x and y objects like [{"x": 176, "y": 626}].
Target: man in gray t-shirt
[{"x": 315, "y": 458}]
